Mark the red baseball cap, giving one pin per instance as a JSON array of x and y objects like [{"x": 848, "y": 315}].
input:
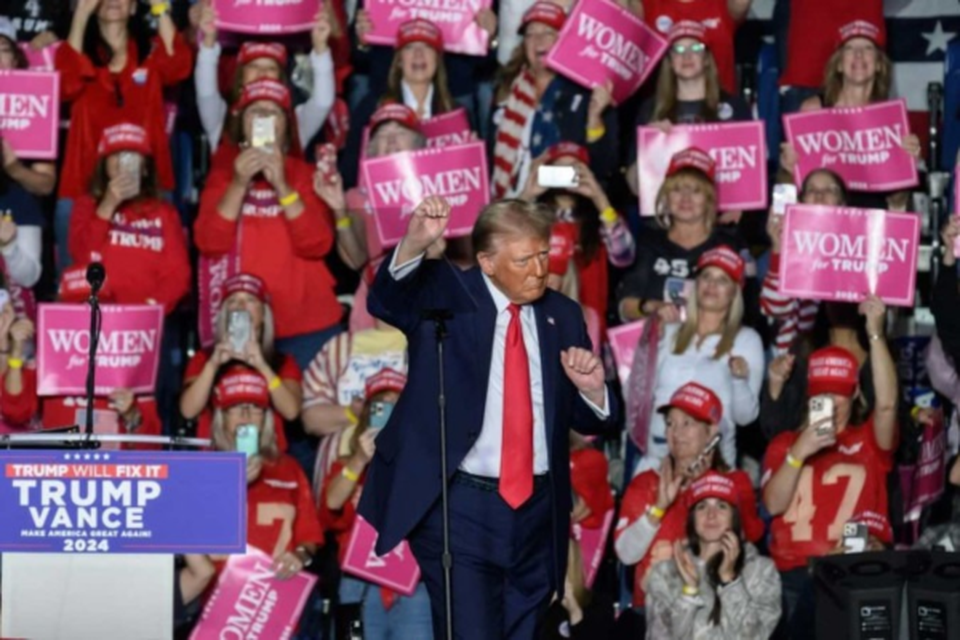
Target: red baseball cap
[
  {"x": 713, "y": 485},
  {"x": 385, "y": 380},
  {"x": 832, "y": 370},
  {"x": 250, "y": 51},
  {"x": 419, "y": 30},
  {"x": 877, "y": 524},
  {"x": 567, "y": 150},
  {"x": 563, "y": 241},
  {"x": 687, "y": 29},
  {"x": 725, "y": 258},
  {"x": 241, "y": 385},
  {"x": 246, "y": 282},
  {"x": 693, "y": 158},
  {"x": 124, "y": 137},
  {"x": 861, "y": 29},
  {"x": 549, "y": 13},
  {"x": 697, "y": 401},
  {"x": 265, "y": 89},
  {"x": 395, "y": 112}
]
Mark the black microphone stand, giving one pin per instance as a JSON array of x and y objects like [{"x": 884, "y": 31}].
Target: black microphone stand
[
  {"x": 439, "y": 318},
  {"x": 95, "y": 276}
]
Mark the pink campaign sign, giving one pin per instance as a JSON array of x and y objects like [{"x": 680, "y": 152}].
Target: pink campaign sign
[
  {"x": 602, "y": 41},
  {"x": 455, "y": 18},
  {"x": 864, "y": 145},
  {"x": 127, "y": 356},
  {"x": 623, "y": 343},
  {"x": 448, "y": 129},
  {"x": 397, "y": 183},
  {"x": 833, "y": 253},
  {"x": 738, "y": 148},
  {"x": 248, "y": 602},
  {"x": 29, "y": 110},
  {"x": 398, "y": 570},
  {"x": 40, "y": 59},
  {"x": 266, "y": 16},
  {"x": 593, "y": 542}
]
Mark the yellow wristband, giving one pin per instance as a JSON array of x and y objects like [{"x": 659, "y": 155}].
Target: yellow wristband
[
  {"x": 609, "y": 215},
  {"x": 690, "y": 591},
  {"x": 794, "y": 462},
  {"x": 595, "y": 134},
  {"x": 160, "y": 8},
  {"x": 275, "y": 383},
  {"x": 351, "y": 416},
  {"x": 349, "y": 474},
  {"x": 15, "y": 363},
  {"x": 289, "y": 199},
  {"x": 344, "y": 223},
  {"x": 657, "y": 512}
]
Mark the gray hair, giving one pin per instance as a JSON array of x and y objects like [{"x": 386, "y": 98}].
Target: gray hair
[{"x": 510, "y": 217}]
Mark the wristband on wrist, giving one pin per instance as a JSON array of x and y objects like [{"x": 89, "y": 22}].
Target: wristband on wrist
[
  {"x": 350, "y": 474},
  {"x": 875, "y": 337},
  {"x": 289, "y": 199},
  {"x": 351, "y": 416},
  {"x": 344, "y": 223},
  {"x": 690, "y": 591},
  {"x": 15, "y": 363},
  {"x": 160, "y": 8},
  {"x": 796, "y": 463},
  {"x": 609, "y": 215},
  {"x": 274, "y": 383},
  {"x": 656, "y": 512},
  {"x": 594, "y": 134}
]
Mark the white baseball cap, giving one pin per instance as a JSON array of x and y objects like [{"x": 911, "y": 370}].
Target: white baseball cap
[{"x": 7, "y": 29}]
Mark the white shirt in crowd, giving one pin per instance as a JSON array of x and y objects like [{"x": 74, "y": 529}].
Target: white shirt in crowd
[{"x": 410, "y": 100}]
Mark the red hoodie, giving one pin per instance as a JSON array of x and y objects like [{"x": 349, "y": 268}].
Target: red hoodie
[
  {"x": 142, "y": 247},
  {"x": 101, "y": 98},
  {"x": 288, "y": 255}
]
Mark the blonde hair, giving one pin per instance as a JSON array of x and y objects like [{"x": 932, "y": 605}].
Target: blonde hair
[
  {"x": 268, "y": 435},
  {"x": 665, "y": 99},
  {"x": 731, "y": 325},
  {"x": 664, "y": 216},
  {"x": 267, "y": 331},
  {"x": 833, "y": 78},
  {"x": 509, "y": 72}
]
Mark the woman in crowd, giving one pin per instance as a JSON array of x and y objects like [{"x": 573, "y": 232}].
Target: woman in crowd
[
  {"x": 592, "y": 493},
  {"x": 536, "y": 108},
  {"x": 112, "y": 72},
  {"x": 242, "y": 295},
  {"x": 717, "y": 585},
  {"x": 710, "y": 346},
  {"x": 386, "y": 613},
  {"x": 124, "y": 224},
  {"x": 600, "y": 233},
  {"x": 687, "y": 227},
  {"x": 654, "y": 511},
  {"x": 281, "y": 519},
  {"x": 258, "y": 61},
  {"x": 859, "y": 73},
  {"x": 688, "y": 90},
  {"x": 260, "y": 205},
  {"x": 840, "y": 439},
  {"x": 581, "y": 614}
]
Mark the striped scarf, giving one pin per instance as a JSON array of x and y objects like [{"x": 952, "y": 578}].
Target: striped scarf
[{"x": 518, "y": 108}]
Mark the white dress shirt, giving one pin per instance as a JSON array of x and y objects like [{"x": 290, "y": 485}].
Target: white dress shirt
[
  {"x": 410, "y": 100},
  {"x": 483, "y": 459}
]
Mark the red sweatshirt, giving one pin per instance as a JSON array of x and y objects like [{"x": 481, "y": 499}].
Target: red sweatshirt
[
  {"x": 288, "y": 255},
  {"x": 588, "y": 475},
  {"x": 101, "y": 98},
  {"x": 62, "y": 411},
  {"x": 143, "y": 249}
]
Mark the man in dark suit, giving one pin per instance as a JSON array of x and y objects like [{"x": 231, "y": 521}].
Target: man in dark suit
[{"x": 519, "y": 375}]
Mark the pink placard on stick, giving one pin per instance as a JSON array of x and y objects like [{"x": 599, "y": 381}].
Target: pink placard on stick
[
  {"x": 127, "y": 357},
  {"x": 398, "y": 570},
  {"x": 398, "y": 183},
  {"x": 593, "y": 542},
  {"x": 602, "y": 41},
  {"x": 447, "y": 129},
  {"x": 248, "y": 602},
  {"x": 41, "y": 59},
  {"x": 212, "y": 273},
  {"x": 623, "y": 343},
  {"x": 266, "y": 16},
  {"x": 456, "y": 19},
  {"x": 738, "y": 148},
  {"x": 833, "y": 253},
  {"x": 29, "y": 109},
  {"x": 863, "y": 145}
]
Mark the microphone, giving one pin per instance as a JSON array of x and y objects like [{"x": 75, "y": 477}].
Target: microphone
[{"x": 96, "y": 274}]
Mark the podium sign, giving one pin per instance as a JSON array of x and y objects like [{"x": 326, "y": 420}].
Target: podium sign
[{"x": 92, "y": 502}]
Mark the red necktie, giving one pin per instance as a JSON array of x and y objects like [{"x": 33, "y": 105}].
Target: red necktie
[{"x": 516, "y": 454}]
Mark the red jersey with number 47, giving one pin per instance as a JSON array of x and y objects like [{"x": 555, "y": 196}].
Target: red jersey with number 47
[
  {"x": 837, "y": 484},
  {"x": 280, "y": 510}
]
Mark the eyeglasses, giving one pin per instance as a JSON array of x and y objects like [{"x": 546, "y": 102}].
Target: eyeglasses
[
  {"x": 247, "y": 410},
  {"x": 697, "y": 48}
]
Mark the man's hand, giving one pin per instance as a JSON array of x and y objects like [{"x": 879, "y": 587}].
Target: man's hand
[
  {"x": 586, "y": 373},
  {"x": 427, "y": 224}
]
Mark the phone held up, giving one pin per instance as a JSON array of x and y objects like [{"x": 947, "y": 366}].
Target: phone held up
[
  {"x": 248, "y": 439},
  {"x": 238, "y": 330},
  {"x": 821, "y": 414},
  {"x": 783, "y": 195},
  {"x": 557, "y": 177},
  {"x": 131, "y": 164},
  {"x": 380, "y": 414}
]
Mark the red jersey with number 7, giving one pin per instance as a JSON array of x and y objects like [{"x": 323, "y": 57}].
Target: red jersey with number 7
[{"x": 837, "y": 484}]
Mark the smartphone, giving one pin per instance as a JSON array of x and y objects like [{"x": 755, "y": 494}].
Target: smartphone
[
  {"x": 783, "y": 195},
  {"x": 238, "y": 330},
  {"x": 131, "y": 164},
  {"x": 821, "y": 411},
  {"x": 327, "y": 157},
  {"x": 264, "y": 134},
  {"x": 556, "y": 177},
  {"x": 855, "y": 537},
  {"x": 380, "y": 414},
  {"x": 701, "y": 460},
  {"x": 248, "y": 439}
]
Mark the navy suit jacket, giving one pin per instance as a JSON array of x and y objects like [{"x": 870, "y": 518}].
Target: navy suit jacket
[{"x": 404, "y": 479}]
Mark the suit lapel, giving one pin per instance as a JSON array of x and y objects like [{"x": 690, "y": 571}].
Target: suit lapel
[{"x": 547, "y": 337}]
